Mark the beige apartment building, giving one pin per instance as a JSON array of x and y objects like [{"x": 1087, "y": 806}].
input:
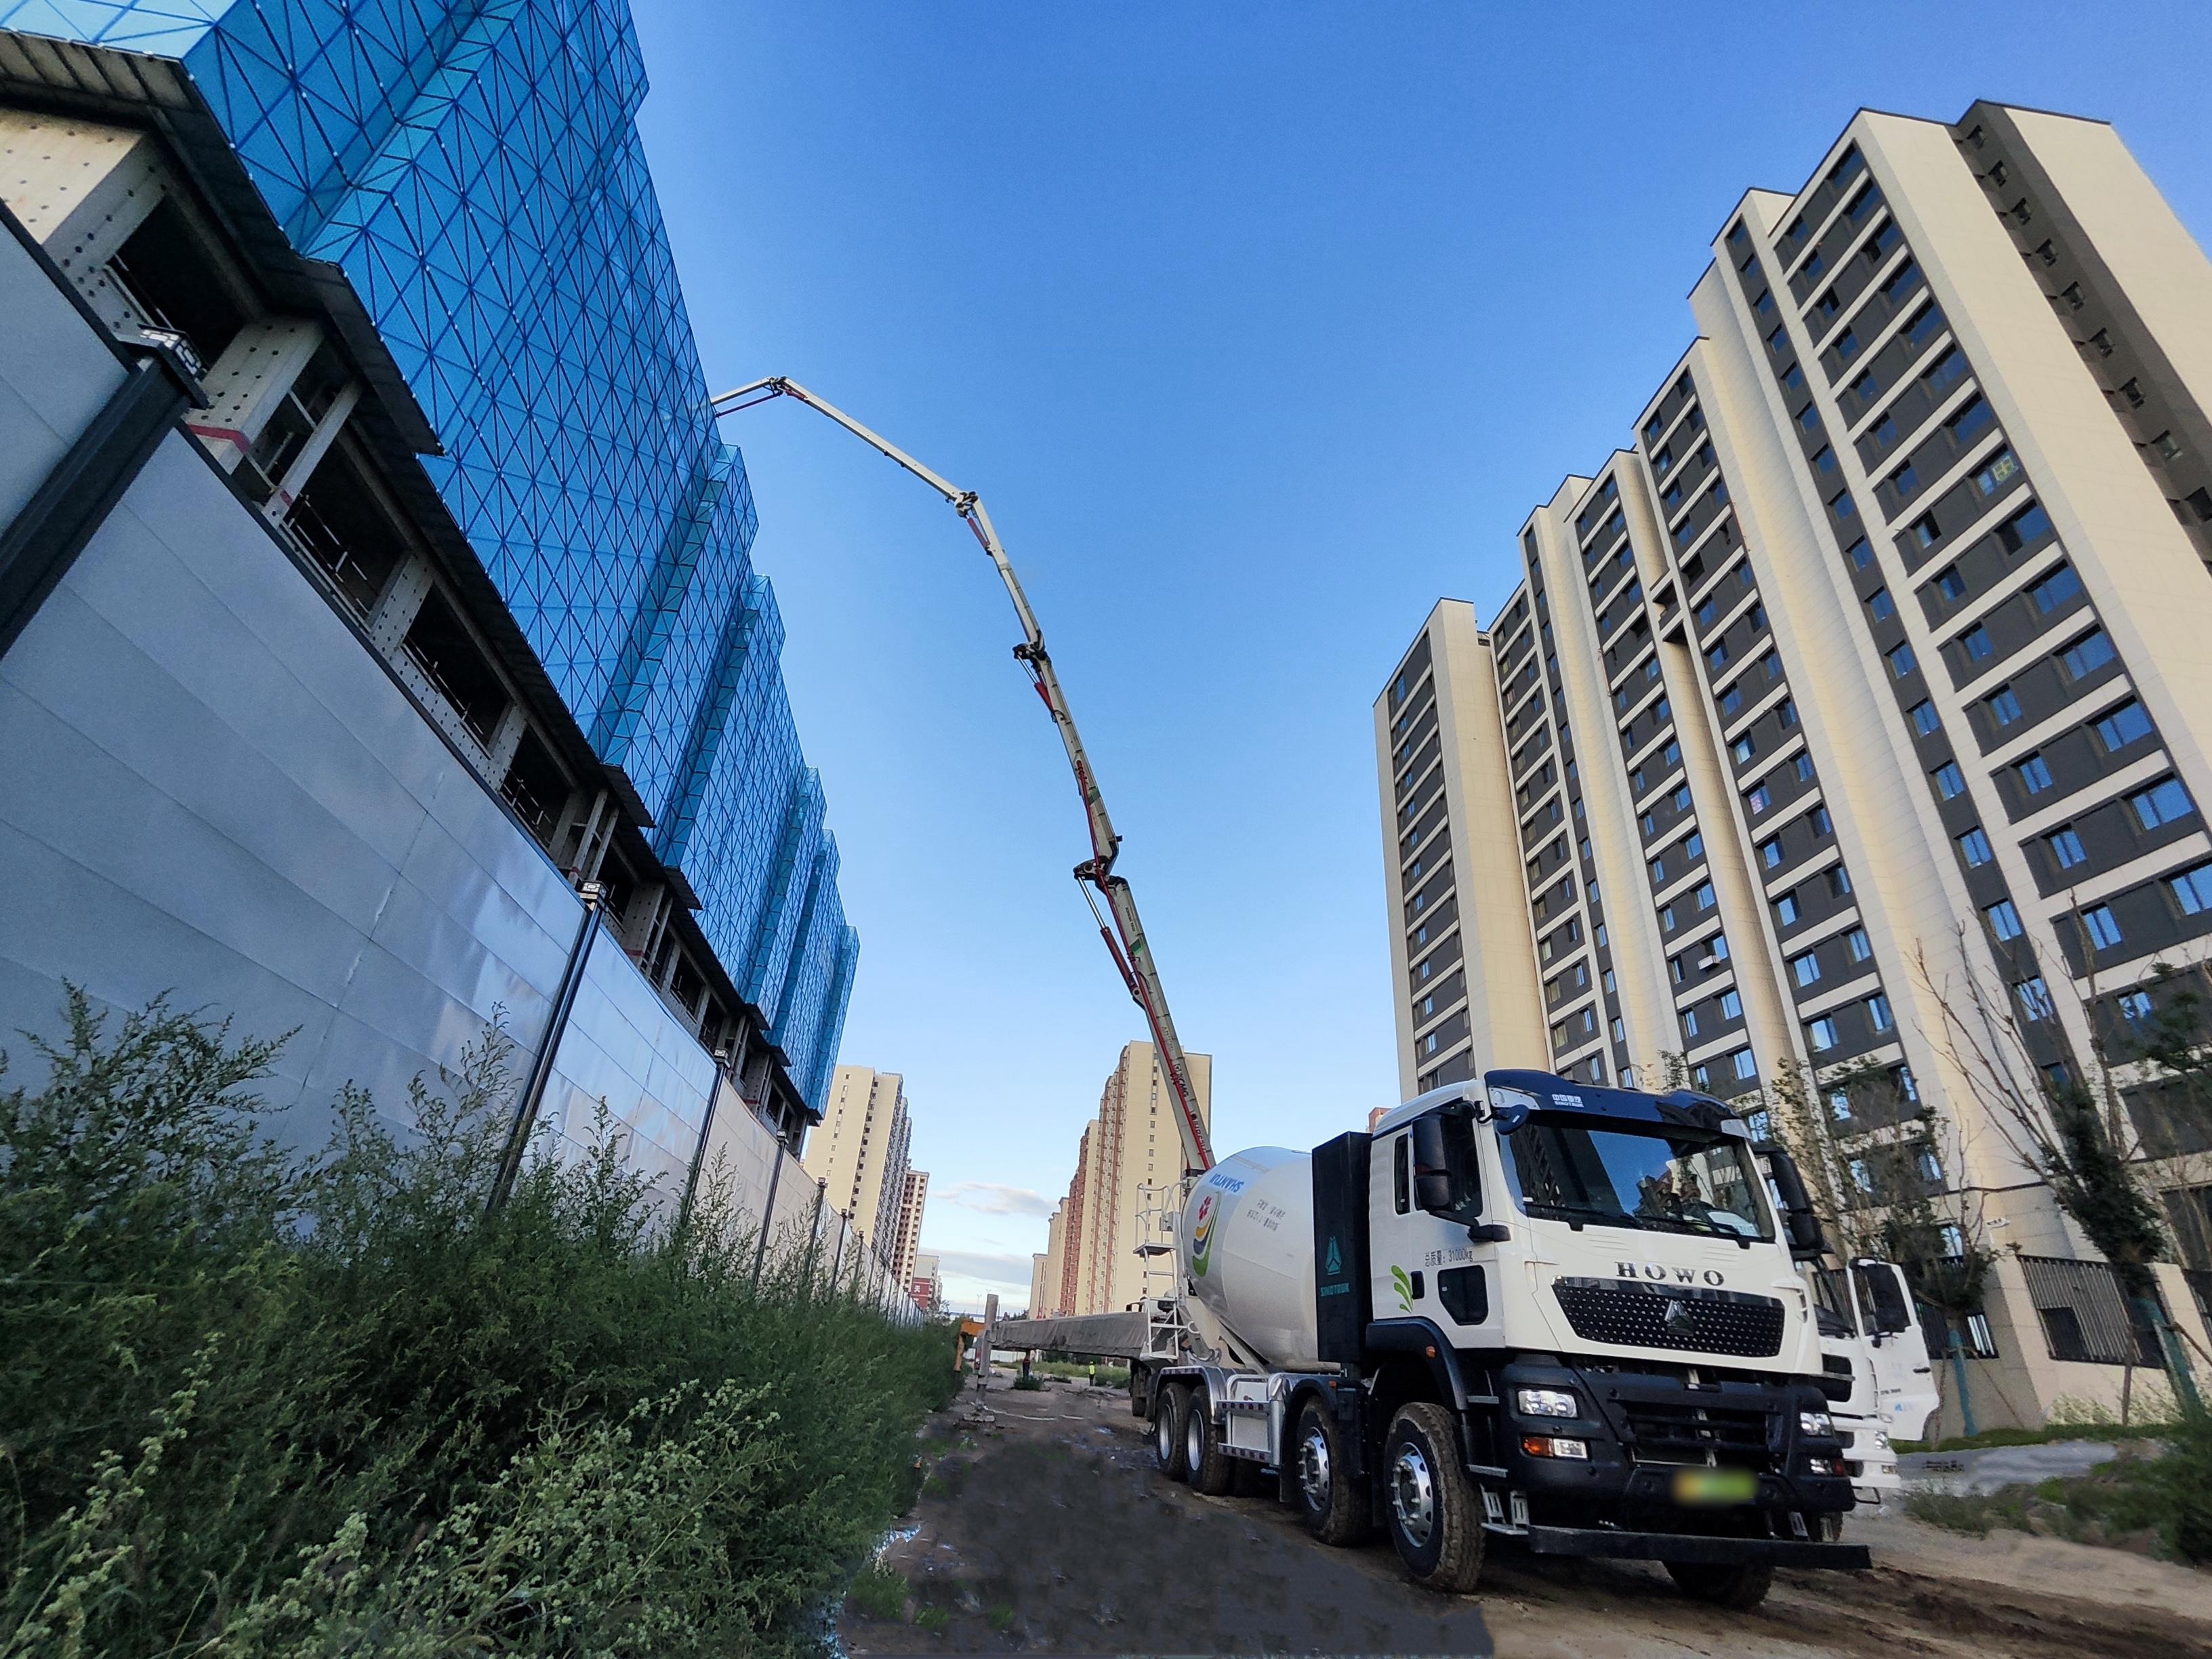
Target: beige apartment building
[
  {"x": 860, "y": 1150},
  {"x": 913, "y": 1198},
  {"x": 1090, "y": 1260},
  {"x": 1872, "y": 672}
]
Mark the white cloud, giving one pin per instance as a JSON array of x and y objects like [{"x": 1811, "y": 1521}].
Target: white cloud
[{"x": 989, "y": 1198}]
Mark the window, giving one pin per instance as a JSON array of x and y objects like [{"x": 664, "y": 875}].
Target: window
[
  {"x": 1717, "y": 947},
  {"x": 1878, "y": 1014},
  {"x": 1770, "y": 852},
  {"x": 1745, "y": 1067},
  {"x": 1717, "y": 657},
  {"x": 1608, "y": 982},
  {"x": 1743, "y": 748},
  {"x": 1880, "y": 605},
  {"x": 2102, "y": 928},
  {"x": 1659, "y": 870},
  {"x": 1860, "y": 554},
  {"x": 1821, "y": 823},
  {"x": 2003, "y": 919},
  {"x": 1976, "y": 643},
  {"x": 1950, "y": 781},
  {"x": 1619, "y": 1031},
  {"x": 1808, "y": 419},
  {"x": 1674, "y": 967},
  {"x": 1689, "y": 1021},
  {"x": 1731, "y": 700},
  {"x": 1401, "y": 1173},
  {"x": 2192, "y": 890},
  {"x": 2054, "y": 589},
  {"x": 1758, "y": 800},
  {"x": 1974, "y": 848},
  {"x": 1856, "y": 945},
  {"x": 2087, "y": 655},
  {"x": 1820, "y": 1035},
  {"x": 2122, "y": 726},
  {"x": 1995, "y": 472},
  {"x": 2003, "y": 706},
  {"x": 1839, "y": 882},
  {"x": 2029, "y": 524},
  {"x": 2132, "y": 391},
  {"x": 2034, "y": 775},
  {"x": 1840, "y": 1105},
  {"x": 1923, "y": 715},
  {"x": 1666, "y": 918},
  {"x": 1925, "y": 530},
  {"x": 1971, "y": 420},
  {"x": 1705, "y": 896},
  {"x": 1902, "y": 663},
  {"x": 2065, "y": 847},
  {"x": 2034, "y": 997},
  {"x": 2164, "y": 802},
  {"x": 1930, "y": 1166},
  {"x": 1946, "y": 372},
  {"x": 1951, "y": 585},
  {"x": 2134, "y": 1007},
  {"x": 1786, "y": 910},
  {"x": 1681, "y": 797},
  {"x": 1862, "y": 1177},
  {"x": 1807, "y": 967},
  {"x": 1803, "y": 767}
]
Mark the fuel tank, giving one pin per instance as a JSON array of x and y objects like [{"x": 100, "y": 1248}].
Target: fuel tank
[{"x": 1246, "y": 1252}]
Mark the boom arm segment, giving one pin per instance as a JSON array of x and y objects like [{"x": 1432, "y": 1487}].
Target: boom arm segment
[{"x": 1124, "y": 937}]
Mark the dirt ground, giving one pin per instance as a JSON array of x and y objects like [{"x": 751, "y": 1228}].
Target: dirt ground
[{"x": 1049, "y": 1531}]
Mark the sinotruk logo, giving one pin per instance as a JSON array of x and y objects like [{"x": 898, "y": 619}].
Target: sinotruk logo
[{"x": 1334, "y": 1265}]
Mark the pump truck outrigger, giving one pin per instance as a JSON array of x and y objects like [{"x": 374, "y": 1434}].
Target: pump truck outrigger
[{"x": 1522, "y": 1306}]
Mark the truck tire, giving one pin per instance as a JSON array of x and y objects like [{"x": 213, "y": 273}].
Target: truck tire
[
  {"x": 1435, "y": 1513},
  {"x": 1334, "y": 1505},
  {"x": 1211, "y": 1468},
  {"x": 1170, "y": 1401},
  {"x": 1740, "y": 1588}
]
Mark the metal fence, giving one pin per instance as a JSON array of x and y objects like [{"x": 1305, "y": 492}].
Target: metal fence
[{"x": 2085, "y": 1317}]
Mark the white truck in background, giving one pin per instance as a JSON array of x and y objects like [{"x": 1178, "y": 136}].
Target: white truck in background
[
  {"x": 1521, "y": 1306},
  {"x": 1879, "y": 1379}
]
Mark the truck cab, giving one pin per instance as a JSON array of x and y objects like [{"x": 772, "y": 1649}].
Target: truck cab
[{"x": 1548, "y": 1310}]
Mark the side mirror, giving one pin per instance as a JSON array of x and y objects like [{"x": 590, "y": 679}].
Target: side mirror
[
  {"x": 1799, "y": 1221},
  {"x": 1434, "y": 1189}
]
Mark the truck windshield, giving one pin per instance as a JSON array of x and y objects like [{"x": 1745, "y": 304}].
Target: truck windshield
[{"x": 1658, "y": 1177}]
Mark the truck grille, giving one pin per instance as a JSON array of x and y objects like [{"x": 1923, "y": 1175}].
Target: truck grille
[
  {"x": 1666, "y": 1433},
  {"x": 1655, "y": 1316}
]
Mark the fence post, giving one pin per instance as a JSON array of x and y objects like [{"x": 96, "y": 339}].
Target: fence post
[
  {"x": 767, "y": 1211},
  {"x": 814, "y": 1233},
  {"x": 541, "y": 1065}
]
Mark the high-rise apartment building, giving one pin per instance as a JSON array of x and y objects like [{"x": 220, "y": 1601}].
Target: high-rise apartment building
[
  {"x": 1869, "y": 674},
  {"x": 476, "y": 172},
  {"x": 1129, "y": 1154},
  {"x": 913, "y": 1198},
  {"x": 1045, "y": 1288},
  {"x": 859, "y": 1150}
]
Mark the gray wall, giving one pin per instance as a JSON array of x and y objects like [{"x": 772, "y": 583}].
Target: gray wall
[{"x": 211, "y": 787}]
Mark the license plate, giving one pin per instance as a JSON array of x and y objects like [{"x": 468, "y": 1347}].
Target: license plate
[{"x": 1706, "y": 1487}]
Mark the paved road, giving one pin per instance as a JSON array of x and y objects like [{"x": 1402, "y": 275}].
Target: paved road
[{"x": 1050, "y": 1532}]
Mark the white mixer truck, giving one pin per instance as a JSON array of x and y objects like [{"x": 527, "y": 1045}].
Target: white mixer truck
[{"x": 1520, "y": 1305}]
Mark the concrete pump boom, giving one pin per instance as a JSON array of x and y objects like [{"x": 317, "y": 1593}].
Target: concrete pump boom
[{"x": 1132, "y": 955}]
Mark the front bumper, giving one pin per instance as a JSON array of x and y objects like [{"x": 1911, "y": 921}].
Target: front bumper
[
  {"x": 1642, "y": 1429},
  {"x": 1694, "y": 1546}
]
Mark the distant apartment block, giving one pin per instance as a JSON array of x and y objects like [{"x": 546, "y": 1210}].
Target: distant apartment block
[
  {"x": 1128, "y": 1154},
  {"x": 860, "y": 1152},
  {"x": 1875, "y": 666},
  {"x": 913, "y": 1198}
]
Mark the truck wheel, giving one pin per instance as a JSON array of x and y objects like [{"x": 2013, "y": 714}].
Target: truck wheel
[
  {"x": 1741, "y": 1586},
  {"x": 1333, "y": 1504},
  {"x": 1170, "y": 1401},
  {"x": 1435, "y": 1514},
  {"x": 1212, "y": 1469}
]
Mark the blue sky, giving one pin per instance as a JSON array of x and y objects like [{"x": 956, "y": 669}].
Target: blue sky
[{"x": 1258, "y": 329}]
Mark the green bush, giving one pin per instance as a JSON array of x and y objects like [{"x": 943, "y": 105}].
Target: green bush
[{"x": 256, "y": 1405}]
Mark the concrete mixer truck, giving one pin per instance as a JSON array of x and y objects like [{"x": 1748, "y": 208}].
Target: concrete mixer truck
[{"x": 1520, "y": 1306}]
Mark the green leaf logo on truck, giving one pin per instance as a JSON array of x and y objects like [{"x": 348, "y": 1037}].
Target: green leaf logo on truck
[
  {"x": 1202, "y": 1234},
  {"x": 1403, "y": 1285}
]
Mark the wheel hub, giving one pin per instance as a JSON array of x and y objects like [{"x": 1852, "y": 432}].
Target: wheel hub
[
  {"x": 1412, "y": 1495},
  {"x": 1313, "y": 1469},
  {"x": 1194, "y": 1435},
  {"x": 1162, "y": 1434}
]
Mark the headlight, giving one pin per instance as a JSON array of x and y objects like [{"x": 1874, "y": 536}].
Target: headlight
[
  {"x": 1881, "y": 1440},
  {"x": 1816, "y": 1423},
  {"x": 1547, "y": 1402}
]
